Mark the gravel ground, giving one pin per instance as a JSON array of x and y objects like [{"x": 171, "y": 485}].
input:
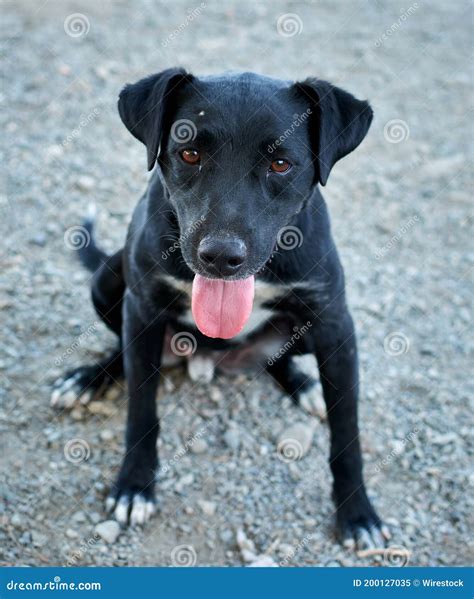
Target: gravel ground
[{"x": 401, "y": 217}]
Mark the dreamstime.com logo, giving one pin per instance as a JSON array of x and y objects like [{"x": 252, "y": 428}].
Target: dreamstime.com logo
[{"x": 53, "y": 585}]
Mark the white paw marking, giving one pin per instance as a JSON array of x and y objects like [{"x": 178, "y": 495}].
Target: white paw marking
[
  {"x": 200, "y": 369},
  {"x": 65, "y": 396},
  {"x": 140, "y": 512},
  {"x": 312, "y": 401},
  {"x": 121, "y": 510}
]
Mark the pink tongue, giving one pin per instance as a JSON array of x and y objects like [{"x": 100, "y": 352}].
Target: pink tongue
[{"x": 221, "y": 308}]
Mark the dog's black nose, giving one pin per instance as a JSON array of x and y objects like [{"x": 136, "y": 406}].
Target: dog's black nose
[{"x": 222, "y": 257}]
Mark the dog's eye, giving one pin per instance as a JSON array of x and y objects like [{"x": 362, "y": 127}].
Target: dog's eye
[
  {"x": 190, "y": 156},
  {"x": 280, "y": 166}
]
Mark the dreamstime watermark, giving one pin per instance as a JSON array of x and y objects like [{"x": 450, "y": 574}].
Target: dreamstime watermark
[
  {"x": 77, "y": 238},
  {"x": 298, "y": 333},
  {"x": 289, "y": 24},
  {"x": 183, "y": 131},
  {"x": 298, "y": 120},
  {"x": 76, "y": 25},
  {"x": 192, "y": 14},
  {"x": 396, "y": 131},
  {"x": 53, "y": 585},
  {"x": 289, "y": 238},
  {"x": 396, "y": 25},
  {"x": 396, "y": 344},
  {"x": 290, "y": 450},
  {"x": 182, "y": 451},
  {"x": 77, "y": 451},
  {"x": 396, "y": 451},
  {"x": 183, "y": 555},
  {"x": 165, "y": 254},
  {"x": 183, "y": 344},
  {"x": 82, "y": 550},
  {"x": 84, "y": 121},
  {"x": 396, "y": 556},
  {"x": 77, "y": 343},
  {"x": 294, "y": 550},
  {"x": 395, "y": 239}
]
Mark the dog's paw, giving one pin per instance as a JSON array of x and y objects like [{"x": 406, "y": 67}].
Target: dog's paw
[
  {"x": 200, "y": 369},
  {"x": 131, "y": 507},
  {"x": 311, "y": 400},
  {"x": 359, "y": 526},
  {"x": 72, "y": 389}
]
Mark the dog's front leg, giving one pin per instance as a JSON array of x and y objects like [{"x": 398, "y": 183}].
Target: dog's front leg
[
  {"x": 133, "y": 494},
  {"x": 336, "y": 352}
]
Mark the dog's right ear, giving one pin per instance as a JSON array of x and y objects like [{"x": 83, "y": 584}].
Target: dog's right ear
[{"x": 142, "y": 107}]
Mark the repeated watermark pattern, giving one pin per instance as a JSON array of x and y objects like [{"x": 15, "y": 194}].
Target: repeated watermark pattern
[
  {"x": 396, "y": 25},
  {"x": 395, "y": 239},
  {"x": 76, "y": 25},
  {"x": 183, "y": 344},
  {"x": 294, "y": 550},
  {"x": 396, "y": 344},
  {"x": 67, "y": 353},
  {"x": 84, "y": 121},
  {"x": 289, "y": 25},
  {"x": 76, "y": 238},
  {"x": 290, "y": 450},
  {"x": 78, "y": 555},
  {"x": 396, "y": 556},
  {"x": 182, "y": 451},
  {"x": 289, "y": 238},
  {"x": 191, "y": 16},
  {"x": 183, "y": 131},
  {"x": 183, "y": 555},
  {"x": 165, "y": 254},
  {"x": 298, "y": 333},
  {"x": 396, "y": 451},
  {"x": 396, "y": 130},
  {"x": 77, "y": 450},
  {"x": 298, "y": 120}
]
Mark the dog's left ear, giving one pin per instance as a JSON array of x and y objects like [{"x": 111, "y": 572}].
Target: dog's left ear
[
  {"x": 142, "y": 107},
  {"x": 341, "y": 122}
]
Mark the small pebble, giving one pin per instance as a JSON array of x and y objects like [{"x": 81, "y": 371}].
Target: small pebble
[{"x": 109, "y": 530}]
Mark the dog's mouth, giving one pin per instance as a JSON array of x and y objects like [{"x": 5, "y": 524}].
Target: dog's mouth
[{"x": 222, "y": 307}]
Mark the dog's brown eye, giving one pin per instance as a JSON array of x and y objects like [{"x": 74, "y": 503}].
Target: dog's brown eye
[
  {"x": 190, "y": 156},
  {"x": 280, "y": 166}
]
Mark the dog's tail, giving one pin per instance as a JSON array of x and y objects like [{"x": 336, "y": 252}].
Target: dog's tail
[{"x": 90, "y": 254}]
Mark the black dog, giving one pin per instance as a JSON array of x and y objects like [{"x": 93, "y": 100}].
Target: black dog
[{"x": 239, "y": 160}]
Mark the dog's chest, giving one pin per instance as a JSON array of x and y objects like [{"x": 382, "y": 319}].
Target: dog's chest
[{"x": 265, "y": 294}]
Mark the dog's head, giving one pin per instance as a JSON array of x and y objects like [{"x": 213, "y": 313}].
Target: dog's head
[{"x": 239, "y": 156}]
